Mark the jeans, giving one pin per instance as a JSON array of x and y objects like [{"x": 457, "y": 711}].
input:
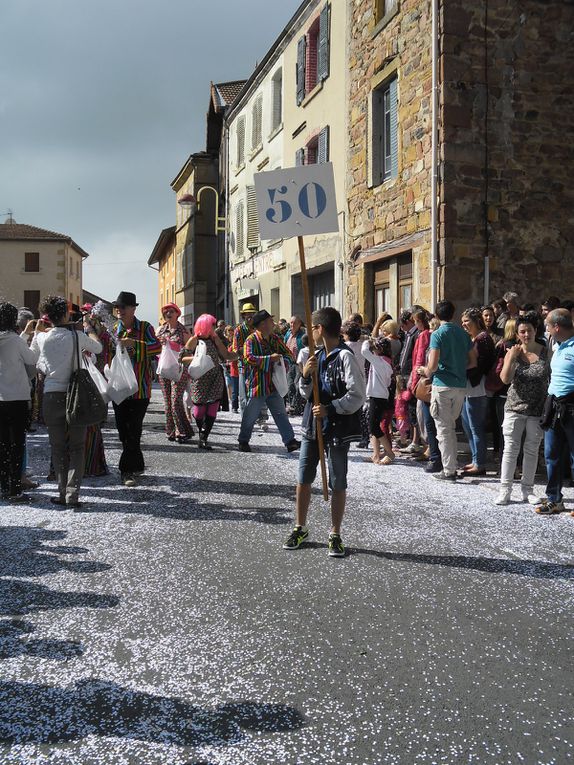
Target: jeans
[
  {"x": 13, "y": 419},
  {"x": 446, "y": 404},
  {"x": 243, "y": 400},
  {"x": 558, "y": 447},
  {"x": 474, "y": 412},
  {"x": 68, "y": 444},
  {"x": 234, "y": 383},
  {"x": 253, "y": 410},
  {"x": 434, "y": 452},
  {"x": 337, "y": 460},
  {"x": 129, "y": 422},
  {"x": 513, "y": 427}
]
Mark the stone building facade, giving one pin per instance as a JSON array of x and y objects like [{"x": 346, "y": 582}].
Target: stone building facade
[{"x": 505, "y": 76}]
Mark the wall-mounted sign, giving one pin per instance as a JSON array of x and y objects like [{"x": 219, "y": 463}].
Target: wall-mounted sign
[{"x": 297, "y": 201}]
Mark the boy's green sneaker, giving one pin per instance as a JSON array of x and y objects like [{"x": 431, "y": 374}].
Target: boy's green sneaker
[
  {"x": 296, "y": 538},
  {"x": 336, "y": 546}
]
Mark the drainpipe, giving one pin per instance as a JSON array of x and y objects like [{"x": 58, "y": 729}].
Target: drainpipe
[{"x": 434, "y": 155}]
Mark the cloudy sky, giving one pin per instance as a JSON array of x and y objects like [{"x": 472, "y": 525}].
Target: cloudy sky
[{"x": 101, "y": 103}]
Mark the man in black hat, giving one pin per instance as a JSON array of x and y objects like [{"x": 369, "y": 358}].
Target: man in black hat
[
  {"x": 263, "y": 348},
  {"x": 138, "y": 338}
]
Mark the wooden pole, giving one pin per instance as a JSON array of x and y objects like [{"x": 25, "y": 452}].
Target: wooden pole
[{"x": 316, "y": 401}]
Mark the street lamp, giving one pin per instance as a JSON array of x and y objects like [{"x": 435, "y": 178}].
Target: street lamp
[{"x": 193, "y": 205}]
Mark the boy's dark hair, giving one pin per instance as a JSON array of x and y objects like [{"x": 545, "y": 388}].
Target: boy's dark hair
[
  {"x": 445, "y": 310},
  {"x": 551, "y": 302},
  {"x": 356, "y": 317},
  {"x": 500, "y": 303},
  {"x": 352, "y": 330},
  {"x": 567, "y": 304},
  {"x": 55, "y": 307},
  {"x": 328, "y": 318},
  {"x": 8, "y": 317},
  {"x": 305, "y": 341}
]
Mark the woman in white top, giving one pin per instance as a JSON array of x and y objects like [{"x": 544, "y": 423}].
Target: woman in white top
[
  {"x": 58, "y": 359},
  {"x": 14, "y": 403},
  {"x": 378, "y": 352}
]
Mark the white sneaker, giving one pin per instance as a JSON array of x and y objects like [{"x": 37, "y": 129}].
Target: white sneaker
[
  {"x": 533, "y": 499},
  {"x": 503, "y": 497},
  {"x": 412, "y": 449}
]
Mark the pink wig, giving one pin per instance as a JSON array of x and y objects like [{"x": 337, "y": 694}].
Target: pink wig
[{"x": 204, "y": 325}]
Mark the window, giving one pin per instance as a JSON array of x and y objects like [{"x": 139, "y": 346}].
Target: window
[
  {"x": 392, "y": 285},
  {"x": 32, "y": 300},
  {"x": 252, "y": 220},
  {"x": 277, "y": 100},
  {"x": 405, "y": 268},
  {"x": 313, "y": 55},
  {"x": 256, "y": 123},
  {"x": 71, "y": 268},
  {"x": 316, "y": 151},
  {"x": 384, "y": 139},
  {"x": 239, "y": 230},
  {"x": 240, "y": 142},
  {"x": 275, "y": 297},
  {"x": 384, "y": 8},
  {"x": 382, "y": 290},
  {"x": 31, "y": 261}
]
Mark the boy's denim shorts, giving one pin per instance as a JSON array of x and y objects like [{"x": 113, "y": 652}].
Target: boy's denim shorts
[{"x": 336, "y": 460}]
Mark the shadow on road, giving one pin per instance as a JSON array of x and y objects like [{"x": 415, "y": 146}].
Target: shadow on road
[
  {"x": 23, "y": 554},
  {"x": 33, "y": 713}
]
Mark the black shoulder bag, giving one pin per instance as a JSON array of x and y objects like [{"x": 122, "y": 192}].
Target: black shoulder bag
[{"x": 84, "y": 404}]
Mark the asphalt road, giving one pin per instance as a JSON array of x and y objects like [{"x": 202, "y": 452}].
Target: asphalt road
[{"x": 165, "y": 625}]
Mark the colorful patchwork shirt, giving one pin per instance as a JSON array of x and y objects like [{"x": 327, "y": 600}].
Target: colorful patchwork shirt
[
  {"x": 257, "y": 363},
  {"x": 146, "y": 347}
]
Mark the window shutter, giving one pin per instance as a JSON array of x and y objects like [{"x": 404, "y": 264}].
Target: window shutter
[
  {"x": 300, "y": 157},
  {"x": 375, "y": 129},
  {"x": 239, "y": 230},
  {"x": 252, "y": 219},
  {"x": 311, "y": 61},
  {"x": 301, "y": 51},
  {"x": 241, "y": 142},
  {"x": 394, "y": 129},
  {"x": 323, "y": 146},
  {"x": 256, "y": 122},
  {"x": 277, "y": 115},
  {"x": 323, "y": 53}
]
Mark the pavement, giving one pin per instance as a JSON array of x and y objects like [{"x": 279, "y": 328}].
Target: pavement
[{"x": 165, "y": 625}]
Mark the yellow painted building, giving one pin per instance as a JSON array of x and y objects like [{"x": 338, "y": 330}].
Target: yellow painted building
[
  {"x": 163, "y": 255},
  {"x": 35, "y": 262}
]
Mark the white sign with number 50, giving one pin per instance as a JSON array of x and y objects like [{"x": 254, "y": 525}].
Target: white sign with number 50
[{"x": 296, "y": 201}]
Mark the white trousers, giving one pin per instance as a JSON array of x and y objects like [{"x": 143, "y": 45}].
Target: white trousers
[
  {"x": 513, "y": 427},
  {"x": 445, "y": 408}
]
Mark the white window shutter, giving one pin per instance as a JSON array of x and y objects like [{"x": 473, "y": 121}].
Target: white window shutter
[
  {"x": 240, "y": 141},
  {"x": 323, "y": 146},
  {"x": 394, "y": 129},
  {"x": 323, "y": 52},
  {"x": 300, "y": 157},
  {"x": 277, "y": 114},
  {"x": 239, "y": 230},
  {"x": 252, "y": 219}
]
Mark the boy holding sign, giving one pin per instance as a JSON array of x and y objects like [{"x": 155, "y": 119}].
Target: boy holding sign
[{"x": 342, "y": 395}]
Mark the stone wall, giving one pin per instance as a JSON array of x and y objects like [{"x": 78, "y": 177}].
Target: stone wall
[
  {"x": 508, "y": 123},
  {"x": 401, "y": 206}
]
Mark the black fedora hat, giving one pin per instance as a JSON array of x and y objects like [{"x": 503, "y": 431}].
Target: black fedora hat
[
  {"x": 261, "y": 316},
  {"x": 126, "y": 298}
]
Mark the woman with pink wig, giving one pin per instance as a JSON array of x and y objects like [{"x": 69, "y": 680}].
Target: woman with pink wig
[{"x": 206, "y": 392}]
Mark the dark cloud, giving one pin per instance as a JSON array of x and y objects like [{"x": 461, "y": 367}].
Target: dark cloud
[{"x": 100, "y": 105}]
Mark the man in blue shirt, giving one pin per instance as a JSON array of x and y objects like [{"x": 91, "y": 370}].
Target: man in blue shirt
[
  {"x": 450, "y": 354},
  {"x": 559, "y": 438}
]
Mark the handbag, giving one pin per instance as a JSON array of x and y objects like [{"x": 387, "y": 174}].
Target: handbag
[
  {"x": 122, "y": 381},
  {"x": 423, "y": 389},
  {"x": 84, "y": 403},
  {"x": 279, "y": 377},
  {"x": 168, "y": 365},
  {"x": 202, "y": 363}
]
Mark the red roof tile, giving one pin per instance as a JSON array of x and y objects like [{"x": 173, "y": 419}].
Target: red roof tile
[{"x": 24, "y": 232}]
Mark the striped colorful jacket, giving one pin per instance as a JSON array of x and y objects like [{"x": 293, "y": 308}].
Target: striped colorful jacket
[
  {"x": 240, "y": 335},
  {"x": 258, "y": 365},
  {"x": 146, "y": 347}
]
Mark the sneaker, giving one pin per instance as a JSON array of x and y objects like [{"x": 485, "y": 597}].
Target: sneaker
[
  {"x": 529, "y": 496},
  {"x": 503, "y": 497},
  {"x": 296, "y": 538},
  {"x": 293, "y": 445},
  {"x": 547, "y": 507},
  {"x": 442, "y": 476},
  {"x": 412, "y": 449},
  {"x": 128, "y": 480},
  {"x": 336, "y": 546},
  {"x": 244, "y": 446},
  {"x": 433, "y": 467}
]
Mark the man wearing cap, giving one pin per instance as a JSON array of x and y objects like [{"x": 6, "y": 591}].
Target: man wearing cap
[
  {"x": 140, "y": 341},
  {"x": 242, "y": 331},
  {"x": 262, "y": 349}
]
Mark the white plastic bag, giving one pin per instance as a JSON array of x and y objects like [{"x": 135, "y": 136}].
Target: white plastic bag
[
  {"x": 168, "y": 365},
  {"x": 201, "y": 362},
  {"x": 122, "y": 381},
  {"x": 97, "y": 377},
  {"x": 279, "y": 377}
]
